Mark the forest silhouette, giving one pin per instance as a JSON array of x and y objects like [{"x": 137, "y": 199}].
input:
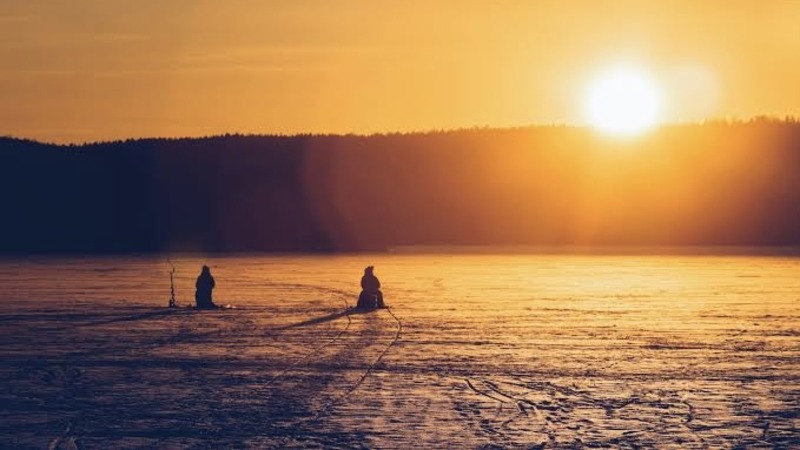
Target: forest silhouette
[{"x": 716, "y": 183}]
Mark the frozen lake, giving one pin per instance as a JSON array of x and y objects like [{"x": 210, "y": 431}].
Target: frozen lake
[{"x": 477, "y": 351}]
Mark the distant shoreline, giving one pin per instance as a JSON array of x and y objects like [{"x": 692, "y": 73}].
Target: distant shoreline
[
  {"x": 695, "y": 185},
  {"x": 609, "y": 250},
  {"x": 467, "y": 249}
]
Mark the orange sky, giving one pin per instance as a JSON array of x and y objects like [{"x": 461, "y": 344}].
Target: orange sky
[{"x": 107, "y": 69}]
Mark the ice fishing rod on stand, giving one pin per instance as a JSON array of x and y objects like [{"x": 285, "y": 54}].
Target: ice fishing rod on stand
[{"x": 172, "y": 302}]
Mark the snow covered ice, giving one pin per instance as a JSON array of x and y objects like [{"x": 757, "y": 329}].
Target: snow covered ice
[{"x": 483, "y": 350}]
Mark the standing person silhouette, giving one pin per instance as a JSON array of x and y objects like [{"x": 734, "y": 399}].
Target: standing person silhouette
[
  {"x": 371, "y": 295},
  {"x": 204, "y": 285}
]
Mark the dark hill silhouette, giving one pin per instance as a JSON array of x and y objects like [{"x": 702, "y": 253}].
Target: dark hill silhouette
[{"x": 717, "y": 183}]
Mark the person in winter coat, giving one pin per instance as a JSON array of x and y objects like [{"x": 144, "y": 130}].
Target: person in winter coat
[
  {"x": 371, "y": 295},
  {"x": 205, "y": 284}
]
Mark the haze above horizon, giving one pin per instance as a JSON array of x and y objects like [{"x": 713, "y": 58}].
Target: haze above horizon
[{"x": 105, "y": 70}]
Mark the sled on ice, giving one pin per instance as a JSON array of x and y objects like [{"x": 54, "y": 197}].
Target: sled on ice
[{"x": 370, "y": 300}]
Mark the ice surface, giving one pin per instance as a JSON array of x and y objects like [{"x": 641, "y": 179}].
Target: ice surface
[{"x": 477, "y": 351}]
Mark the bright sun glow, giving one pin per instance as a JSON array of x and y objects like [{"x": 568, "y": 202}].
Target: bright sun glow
[{"x": 623, "y": 102}]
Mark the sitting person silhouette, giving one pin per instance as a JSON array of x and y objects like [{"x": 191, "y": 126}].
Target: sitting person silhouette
[
  {"x": 371, "y": 295},
  {"x": 205, "y": 284}
]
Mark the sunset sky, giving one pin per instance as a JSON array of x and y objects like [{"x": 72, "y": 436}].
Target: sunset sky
[{"x": 107, "y": 69}]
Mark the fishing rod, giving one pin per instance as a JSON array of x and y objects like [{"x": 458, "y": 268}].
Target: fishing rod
[{"x": 172, "y": 302}]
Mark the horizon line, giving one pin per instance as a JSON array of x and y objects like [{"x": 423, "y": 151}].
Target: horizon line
[{"x": 760, "y": 118}]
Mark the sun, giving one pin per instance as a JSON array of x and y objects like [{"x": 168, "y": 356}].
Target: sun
[{"x": 623, "y": 101}]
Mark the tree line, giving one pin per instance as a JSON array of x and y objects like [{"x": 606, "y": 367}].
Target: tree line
[{"x": 717, "y": 183}]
